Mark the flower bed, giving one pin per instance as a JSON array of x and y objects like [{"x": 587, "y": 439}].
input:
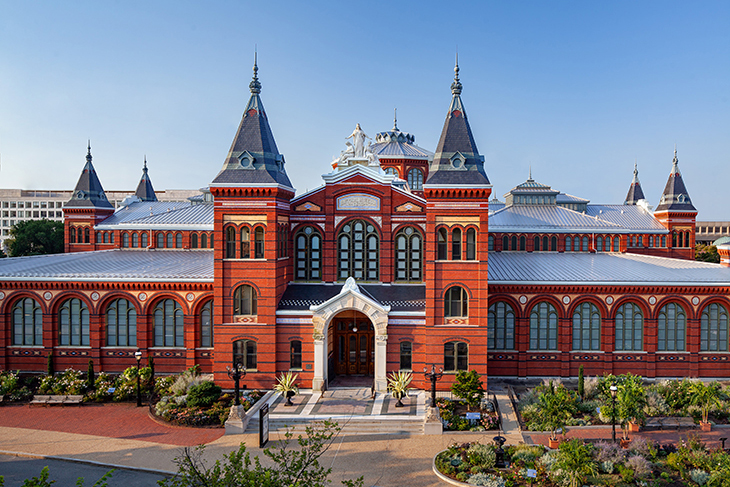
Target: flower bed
[{"x": 453, "y": 416}]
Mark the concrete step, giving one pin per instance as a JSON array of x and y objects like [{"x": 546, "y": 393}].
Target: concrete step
[{"x": 354, "y": 425}]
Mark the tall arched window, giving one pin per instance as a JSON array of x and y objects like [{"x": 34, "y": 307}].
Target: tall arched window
[
  {"x": 230, "y": 243},
  {"x": 456, "y": 244},
  {"x": 258, "y": 236},
  {"x": 358, "y": 251},
  {"x": 629, "y": 328},
  {"x": 204, "y": 241},
  {"x": 490, "y": 243},
  {"x": 543, "y": 327},
  {"x": 406, "y": 355},
  {"x": 544, "y": 243},
  {"x": 125, "y": 240},
  {"x": 536, "y": 244},
  {"x": 585, "y": 244},
  {"x": 245, "y": 300},
  {"x": 617, "y": 244},
  {"x": 391, "y": 170},
  {"x": 501, "y": 327},
  {"x": 456, "y": 303},
  {"x": 206, "y": 325},
  {"x": 568, "y": 244},
  {"x": 456, "y": 356},
  {"x": 671, "y": 326},
  {"x": 408, "y": 255},
  {"x": 99, "y": 237},
  {"x": 664, "y": 240},
  {"x": 514, "y": 242},
  {"x": 471, "y": 244},
  {"x": 80, "y": 235},
  {"x": 245, "y": 243},
  {"x": 415, "y": 180},
  {"x": 135, "y": 240},
  {"x": 169, "y": 328},
  {"x": 308, "y": 255},
  {"x": 160, "y": 240},
  {"x": 72, "y": 235},
  {"x": 523, "y": 243},
  {"x": 73, "y": 321},
  {"x": 599, "y": 244},
  {"x": 170, "y": 242},
  {"x": 442, "y": 245},
  {"x": 586, "y": 327},
  {"x": 194, "y": 241},
  {"x": 106, "y": 237},
  {"x": 244, "y": 353},
  {"x": 121, "y": 324},
  {"x": 144, "y": 240},
  {"x": 178, "y": 240},
  {"x": 27, "y": 322},
  {"x": 505, "y": 243},
  {"x": 554, "y": 244},
  {"x": 295, "y": 355},
  {"x": 87, "y": 235},
  {"x": 713, "y": 329}
]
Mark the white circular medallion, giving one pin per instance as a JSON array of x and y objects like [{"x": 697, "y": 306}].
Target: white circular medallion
[
  {"x": 609, "y": 300},
  {"x": 190, "y": 296},
  {"x": 523, "y": 299},
  {"x": 95, "y": 296},
  {"x": 652, "y": 300},
  {"x": 142, "y": 296},
  {"x": 566, "y": 299},
  {"x": 695, "y": 300},
  {"x": 2, "y": 295},
  {"x": 47, "y": 295}
]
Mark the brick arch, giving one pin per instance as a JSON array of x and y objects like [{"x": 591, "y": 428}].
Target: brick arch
[
  {"x": 633, "y": 299},
  {"x": 14, "y": 296},
  {"x": 104, "y": 301},
  {"x": 152, "y": 301},
  {"x": 506, "y": 298},
  {"x": 557, "y": 304},
  {"x": 403, "y": 226},
  {"x": 456, "y": 283},
  {"x": 55, "y": 304},
  {"x": 364, "y": 218},
  {"x": 237, "y": 284},
  {"x": 689, "y": 309},
  {"x": 600, "y": 304},
  {"x": 198, "y": 303}
]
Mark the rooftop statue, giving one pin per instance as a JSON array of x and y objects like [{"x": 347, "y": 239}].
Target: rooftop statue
[{"x": 358, "y": 137}]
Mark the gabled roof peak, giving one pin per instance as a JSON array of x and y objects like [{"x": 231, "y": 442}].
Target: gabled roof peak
[
  {"x": 145, "y": 191},
  {"x": 675, "y": 196},
  {"x": 88, "y": 192},
  {"x": 635, "y": 193}
]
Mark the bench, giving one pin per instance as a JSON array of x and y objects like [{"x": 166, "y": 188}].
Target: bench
[{"x": 51, "y": 400}]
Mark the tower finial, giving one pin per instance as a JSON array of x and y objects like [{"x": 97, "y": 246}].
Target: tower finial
[
  {"x": 145, "y": 162},
  {"x": 456, "y": 85},
  {"x": 530, "y": 175},
  {"x": 255, "y": 85},
  {"x": 88, "y": 152},
  {"x": 395, "y": 119}
]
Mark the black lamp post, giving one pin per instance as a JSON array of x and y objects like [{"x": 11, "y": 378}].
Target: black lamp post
[
  {"x": 433, "y": 376},
  {"x": 613, "y": 390},
  {"x": 138, "y": 356},
  {"x": 237, "y": 372}
]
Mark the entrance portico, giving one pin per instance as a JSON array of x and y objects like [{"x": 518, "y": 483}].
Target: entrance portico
[{"x": 349, "y": 298}]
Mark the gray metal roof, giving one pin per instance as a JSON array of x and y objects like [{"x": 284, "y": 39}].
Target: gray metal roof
[
  {"x": 174, "y": 214},
  {"x": 569, "y": 198},
  {"x": 112, "y": 265},
  {"x": 631, "y": 217},
  {"x": 394, "y": 143},
  {"x": 300, "y": 297},
  {"x": 583, "y": 268}
]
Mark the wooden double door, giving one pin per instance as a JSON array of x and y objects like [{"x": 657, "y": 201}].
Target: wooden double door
[{"x": 354, "y": 345}]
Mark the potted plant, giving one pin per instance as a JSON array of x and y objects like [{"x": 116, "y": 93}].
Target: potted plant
[
  {"x": 555, "y": 408},
  {"x": 630, "y": 402},
  {"x": 398, "y": 385},
  {"x": 706, "y": 396},
  {"x": 286, "y": 386}
]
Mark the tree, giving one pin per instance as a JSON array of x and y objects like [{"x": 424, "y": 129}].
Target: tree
[
  {"x": 706, "y": 396},
  {"x": 581, "y": 383},
  {"x": 35, "y": 237},
  {"x": 575, "y": 461},
  {"x": 292, "y": 467},
  {"x": 630, "y": 402},
  {"x": 556, "y": 406},
  {"x": 90, "y": 376},
  {"x": 469, "y": 387},
  {"x": 707, "y": 253}
]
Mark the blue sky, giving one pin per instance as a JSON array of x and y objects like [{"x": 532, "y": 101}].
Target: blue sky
[{"x": 577, "y": 90}]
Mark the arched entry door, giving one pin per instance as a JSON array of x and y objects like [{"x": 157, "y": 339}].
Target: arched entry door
[{"x": 354, "y": 344}]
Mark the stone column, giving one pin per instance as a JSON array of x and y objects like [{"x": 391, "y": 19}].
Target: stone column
[
  {"x": 381, "y": 381},
  {"x": 319, "y": 382}
]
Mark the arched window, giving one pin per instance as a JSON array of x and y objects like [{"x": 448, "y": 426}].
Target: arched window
[
  {"x": 358, "y": 251},
  {"x": 391, "y": 170},
  {"x": 406, "y": 355},
  {"x": 471, "y": 244},
  {"x": 490, "y": 242},
  {"x": 664, "y": 240},
  {"x": 170, "y": 243},
  {"x": 230, "y": 243},
  {"x": 72, "y": 235},
  {"x": 456, "y": 244},
  {"x": 586, "y": 327},
  {"x": 295, "y": 354},
  {"x": 456, "y": 303},
  {"x": 651, "y": 240},
  {"x": 245, "y": 300},
  {"x": 536, "y": 245},
  {"x": 629, "y": 328},
  {"x": 111, "y": 238},
  {"x": 456, "y": 356},
  {"x": 258, "y": 236},
  {"x": 523, "y": 243},
  {"x": 408, "y": 255},
  {"x": 568, "y": 244},
  {"x": 245, "y": 243},
  {"x": 194, "y": 240},
  {"x": 501, "y": 327},
  {"x": 554, "y": 244},
  {"x": 168, "y": 324},
  {"x": 543, "y": 327},
  {"x": 585, "y": 244},
  {"x": 514, "y": 243},
  {"x": 178, "y": 240},
  {"x": 544, "y": 243},
  {"x": 73, "y": 321},
  {"x": 125, "y": 240},
  {"x": 617, "y": 244},
  {"x": 160, "y": 240},
  {"x": 144, "y": 240},
  {"x": 106, "y": 237},
  {"x": 505, "y": 243},
  {"x": 204, "y": 241},
  {"x": 206, "y": 325},
  {"x": 99, "y": 237},
  {"x": 87, "y": 235},
  {"x": 121, "y": 324},
  {"x": 244, "y": 353},
  {"x": 442, "y": 244},
  {"x": 599, "y": 244},
  {"x": 671, "y": 326},
  {"x": 135, "y": 240},
  {"x": 713, "y": 329},
  {"x": 415, "y": 180},
  {"x": 80, "y": 235},
  {"x": 27, "y": 322},
  {"x": 308, "y": 255}
]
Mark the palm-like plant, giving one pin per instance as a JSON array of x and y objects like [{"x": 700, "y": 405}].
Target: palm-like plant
[
  {"x": 630, "y": 402},
  {"x": 286, "y": 386},
  {"x": 556, "y": 406},
  {"x": 398, "y": 385},
  {"x": 706, "y": 396},
  {"x": 575, "y": 461}
]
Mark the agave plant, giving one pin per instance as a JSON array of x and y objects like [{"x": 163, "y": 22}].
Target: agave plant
[
  {"x": 398, "y": 384},
  {"x": 286, "y": 385}
]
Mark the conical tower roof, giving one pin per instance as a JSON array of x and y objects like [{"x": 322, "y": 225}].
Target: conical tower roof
[
  {"x": 145, "y": 191},
  {"x": 88, "y": 192},
  {"x": 457, "y": 160},
  {"x": 635, "y": 192},
  {"x": 675, "y": 196},
  {"x": 253, "y": 159}
]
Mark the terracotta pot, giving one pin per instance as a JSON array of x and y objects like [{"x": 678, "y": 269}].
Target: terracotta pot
[
  {"x": 634, "y": 427},
  {"x": 625, "y": 443},
  {"x": 553, "y": 443},
  {"x": 705, "y": 426}
]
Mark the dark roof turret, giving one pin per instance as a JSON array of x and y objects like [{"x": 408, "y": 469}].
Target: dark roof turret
[
  {"x": 88, "y": 192},
  {"x": 635, "y": 192},
  {"x": 145, "y": 191},
  {"x": 675, "y": 196}
]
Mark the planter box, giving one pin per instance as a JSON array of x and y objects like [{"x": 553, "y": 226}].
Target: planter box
[
  {"x": 705, "y": 426},
  {"x": 553, "y": 443},
  {"x": 634, "y": 427}
]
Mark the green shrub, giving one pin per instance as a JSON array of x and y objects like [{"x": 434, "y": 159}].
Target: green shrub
[
  {"x": 469, "y": 387},
  {"x": 204, "y": 394},
  {"x": 486, "y": 480},
  {"x": 700, "y": 477},
  {"x": 481, "y": 455}
]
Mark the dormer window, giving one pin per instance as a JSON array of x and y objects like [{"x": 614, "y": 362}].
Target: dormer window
[
  {"x": 458, "y": 161},
  {"x": 246, "y": 159},
  {"x": 80, "y": 194},
  {"x": 280, "y": 162}
]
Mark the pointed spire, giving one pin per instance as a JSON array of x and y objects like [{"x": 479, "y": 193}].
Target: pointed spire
[
  {"x": 675, "y": 196},
  {"x": 456, "y": 85},
  {"x": 255, "y": 85},
  {"x": 635, "y": 192},
  {"x": 145, "y": 191},
  {"x": 88, "y": 192},
  {"x": 529, "y": 178},
  {"x": 88, "y": 152},
  {"x": 395, "y": 120}
]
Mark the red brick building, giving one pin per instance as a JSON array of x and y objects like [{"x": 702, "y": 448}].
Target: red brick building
[{"x": 399, "y": 261}]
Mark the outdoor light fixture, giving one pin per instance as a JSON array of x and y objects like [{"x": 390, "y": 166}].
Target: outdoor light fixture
[
  {"x": 138, "y": 356},
  {"x": 433, "y": 376},
  {"x": 237, "y": 372},
  {"x": 613, "y": 390}
]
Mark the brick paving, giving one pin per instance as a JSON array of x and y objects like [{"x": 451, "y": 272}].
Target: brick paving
[
  {"x": 711, "y": 438},
  {"x": 123, "y": 421}
]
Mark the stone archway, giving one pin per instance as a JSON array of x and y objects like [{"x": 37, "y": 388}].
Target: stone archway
[{"x": 349, "y": 298}]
